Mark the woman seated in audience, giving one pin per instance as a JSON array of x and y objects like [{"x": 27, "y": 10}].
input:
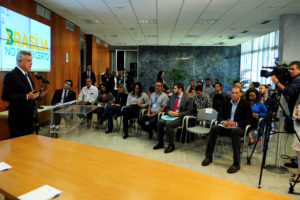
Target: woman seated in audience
[
  {"x": 136, "y": 100},
  {"x": 115, "y": 108},
  {"x": 190, "y": 90},
  {"x": 296, "y": 143},
  {"x": 104, "y": 98},
  {"x": 258, "y": 109}
]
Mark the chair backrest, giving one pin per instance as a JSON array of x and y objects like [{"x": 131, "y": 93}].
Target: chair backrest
[{"x": 207, "y": 114}]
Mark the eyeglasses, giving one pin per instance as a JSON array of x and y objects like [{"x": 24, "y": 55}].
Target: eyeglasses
[{"x": 158, "y": 85}]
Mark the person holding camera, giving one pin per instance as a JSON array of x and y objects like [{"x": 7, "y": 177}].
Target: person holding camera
[{"x": 290, "y": 91}]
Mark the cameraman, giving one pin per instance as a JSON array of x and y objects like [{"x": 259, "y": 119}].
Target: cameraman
[{"x": 290, "y": 91}]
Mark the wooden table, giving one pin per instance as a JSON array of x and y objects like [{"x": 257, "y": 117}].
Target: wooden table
[{"x": 89, "y": 172}]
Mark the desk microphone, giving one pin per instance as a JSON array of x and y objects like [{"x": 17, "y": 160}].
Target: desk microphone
[{"x": 40, "y": 77}]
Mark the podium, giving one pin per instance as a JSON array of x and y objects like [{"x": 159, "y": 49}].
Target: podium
[{"x": 66, "y": 117}]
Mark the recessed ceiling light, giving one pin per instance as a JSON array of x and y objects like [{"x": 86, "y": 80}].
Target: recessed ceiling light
[
  {"x": 147, "y": 21},
  {"x": 206, "y": 21}
]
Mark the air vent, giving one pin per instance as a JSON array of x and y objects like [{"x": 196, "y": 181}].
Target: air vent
[
  {"x": 192, "y": 36},
  {"x": 70, "y": 26},
  {"x": 91, "y": 21},
  {"x": 98, "y": 41},
  {"x": 245, "y": 31},
  {"x": 40, "y": 10},
  {"x": 230, "y": 37},
  {"x": 265, "y": 22}
]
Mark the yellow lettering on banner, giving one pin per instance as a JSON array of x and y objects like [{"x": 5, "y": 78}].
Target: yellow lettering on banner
[
  {"x": 25, "y": 41},
  {"x": 31, "y": 39},
  {"x": 46, "y": 46},
  {"x": 17, "y": 38}
]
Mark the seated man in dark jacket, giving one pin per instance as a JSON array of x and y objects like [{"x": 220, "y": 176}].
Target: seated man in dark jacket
[
  {"x": 178, "y": 106},
  {"x": 233, "y": 118},
  {"x": 62, "y": 96}
]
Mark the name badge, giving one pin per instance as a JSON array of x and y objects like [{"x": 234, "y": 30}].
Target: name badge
[{"x": 154, "y": 105}]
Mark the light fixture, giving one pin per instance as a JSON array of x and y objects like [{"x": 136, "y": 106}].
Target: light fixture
[
  {"x": 206, "y": 21},
  {"x": 147, "y": 21}
]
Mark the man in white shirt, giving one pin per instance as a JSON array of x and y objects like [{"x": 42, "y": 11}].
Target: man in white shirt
[{"x": 88, "y": 96}]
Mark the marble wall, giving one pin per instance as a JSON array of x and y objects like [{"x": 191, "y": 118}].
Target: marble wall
[{"x": 198, "y": 62}]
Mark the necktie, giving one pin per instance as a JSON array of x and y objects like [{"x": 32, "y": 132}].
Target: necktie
[
  {"x": 27, "y": 77},
  {"x": 176, "y": 104},
  {"x": 65, "y": 96}
]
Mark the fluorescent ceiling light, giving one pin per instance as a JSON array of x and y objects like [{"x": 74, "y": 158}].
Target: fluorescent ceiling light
[
  {"x": 147, "y": 21},
  {"x": 206, "y": 21}
]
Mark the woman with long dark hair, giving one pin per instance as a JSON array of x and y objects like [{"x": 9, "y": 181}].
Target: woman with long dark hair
[
  {"x": 104, "y": 98},
  {"x": 161, "y": 76},
  {"x": 136, "y": 100},
  {"x": 258, "y": 109}
]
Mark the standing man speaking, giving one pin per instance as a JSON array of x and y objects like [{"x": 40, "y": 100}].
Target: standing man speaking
[{"x": 18, "y": 89}]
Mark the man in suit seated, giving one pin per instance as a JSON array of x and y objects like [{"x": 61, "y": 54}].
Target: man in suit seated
[
  {"x": 178, "y": 106},
  {"x": 233, "y": 118},
  {"x": 62, "y": 96}
]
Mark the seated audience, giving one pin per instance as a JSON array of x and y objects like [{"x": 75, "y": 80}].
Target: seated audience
[
  {"x": 218, "y": 102},
  {"x": 136, "y": 100},
  {"x": 263, "y": 91},
  {"x": 104, "y": 98},
  {"x": 88, "y": 96},
  {"x": 258, "y": 109},
  {"x": 151, "y": 90},
  {"x": 190, "y": 90},
  {"x": 115, "y": 108},
  {"x": 218, "y": 90},
  {"x": 178, "y": 106},
  {"x": 62, "y": 96},
  {"x": 157, "y": 104},
  {"x": 201, "y": 100},
  {"x": 234, "y": 117},
  {"x": 208, "y": 88},
  {"x": 199, "y": 82}
]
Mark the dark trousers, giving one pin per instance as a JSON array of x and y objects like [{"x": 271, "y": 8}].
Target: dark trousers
[
  {"x": 234, "y": 133},
  {"x": 108, "y": 114},
  {"x": 99, "y": 112},
  {"x": 129, "y": 112},
  {"x": 20, "y": 128},
  {"x": 150, "y": 126},
  {"x": 170, "y": 126}
]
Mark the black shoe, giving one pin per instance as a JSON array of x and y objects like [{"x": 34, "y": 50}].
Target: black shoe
[
  {"x": 234, "y": 168},
  {"x": 108, "y": 131},
  {"x": 206, "y": 161},
  {"x": 125, "y": 135},
  {"x": 158, "y": 146},
  {"x": 170, "y": 148},
  {"x": 291, "y": 165}
]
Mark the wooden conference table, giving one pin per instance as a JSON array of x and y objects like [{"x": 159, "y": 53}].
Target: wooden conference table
[{"x": 87, "y": 172}]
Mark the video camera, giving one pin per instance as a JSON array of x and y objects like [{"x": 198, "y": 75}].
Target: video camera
[{"x": 280, "y": 71}]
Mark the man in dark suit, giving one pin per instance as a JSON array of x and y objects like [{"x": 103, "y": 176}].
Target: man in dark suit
[
  {"x": 178, "y": 106},
  {"x": 18, "y": 89},
  {"x": 62, "y": 96},
  {"x": 233, "y": 118},
  {"x": 88, "y": 74}
]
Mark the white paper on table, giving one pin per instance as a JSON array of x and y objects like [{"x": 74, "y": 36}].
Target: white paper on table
[
  {"x": 42, "y": 193},
  {"x": 208, "y": 110},
  {"x": 4, "y": 166}
]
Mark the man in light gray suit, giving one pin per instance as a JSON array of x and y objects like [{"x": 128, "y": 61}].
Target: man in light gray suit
[{"x": 179, "y": 106}]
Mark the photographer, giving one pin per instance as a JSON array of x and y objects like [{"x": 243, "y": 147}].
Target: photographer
[{"x": 290, "y": 91}]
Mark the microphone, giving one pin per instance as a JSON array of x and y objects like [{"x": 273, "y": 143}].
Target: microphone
[{"x": 40, "y": 77}]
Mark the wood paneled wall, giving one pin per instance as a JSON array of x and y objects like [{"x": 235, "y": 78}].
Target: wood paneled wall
[
  {"x": 97, "y": 55},
  {"x": 63, "y": 41}
]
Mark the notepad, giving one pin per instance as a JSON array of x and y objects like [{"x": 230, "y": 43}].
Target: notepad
[
  {"x": 4, "y": 166},
  {"x": 208, "y": 110},
  {"x": 42, "y": 193},
  {"x": 167, "y": 117}
]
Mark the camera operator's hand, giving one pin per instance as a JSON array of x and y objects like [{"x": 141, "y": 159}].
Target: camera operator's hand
[{"x": 276, "y": 81}]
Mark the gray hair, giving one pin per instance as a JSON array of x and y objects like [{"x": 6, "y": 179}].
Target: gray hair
[{"x": 21, "y": 55}]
